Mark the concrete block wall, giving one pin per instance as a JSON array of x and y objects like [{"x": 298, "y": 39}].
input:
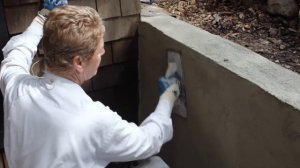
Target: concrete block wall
[
  {"x": 116, "y": 84},
  {"x": 243, "y": 111}
]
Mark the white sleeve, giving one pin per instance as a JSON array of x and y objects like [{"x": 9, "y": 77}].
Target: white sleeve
[
  {"x": 18, "y": 54},
  {"x": 126, "y": 141}
]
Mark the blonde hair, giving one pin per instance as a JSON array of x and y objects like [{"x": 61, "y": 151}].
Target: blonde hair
[{"x": 70, "y": 31}]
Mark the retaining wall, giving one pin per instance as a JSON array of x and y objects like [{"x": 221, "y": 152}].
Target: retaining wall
[{"x": 243, "y": 110}]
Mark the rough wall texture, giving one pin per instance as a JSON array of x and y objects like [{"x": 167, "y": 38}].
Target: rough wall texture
[
  {"x": 243, "y": 110},
  {"x": 117, "y": 77}
]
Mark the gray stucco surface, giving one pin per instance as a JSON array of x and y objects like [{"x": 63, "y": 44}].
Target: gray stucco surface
[{"x": 243, "y": 110}]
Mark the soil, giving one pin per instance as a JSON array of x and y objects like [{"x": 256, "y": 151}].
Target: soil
[{"x": 273, "y": 37}]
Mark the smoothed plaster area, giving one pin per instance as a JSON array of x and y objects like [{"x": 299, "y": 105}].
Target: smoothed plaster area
[{"x": 243, "y": 110}]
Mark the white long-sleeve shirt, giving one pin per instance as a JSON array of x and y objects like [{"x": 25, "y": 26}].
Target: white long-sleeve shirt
[{"x": 50, "y": 122}]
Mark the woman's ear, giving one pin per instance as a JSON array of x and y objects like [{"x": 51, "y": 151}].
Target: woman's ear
[{"x": 78, "y": 63}]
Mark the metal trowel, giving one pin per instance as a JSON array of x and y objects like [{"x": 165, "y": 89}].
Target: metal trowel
[{"x": 175, "y": 66}]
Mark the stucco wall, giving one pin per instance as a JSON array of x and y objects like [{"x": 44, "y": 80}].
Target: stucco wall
[{"x": 243, "y": 110}]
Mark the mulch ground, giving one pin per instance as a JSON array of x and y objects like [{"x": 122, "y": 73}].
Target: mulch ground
[{"x": 273, "y": 37}]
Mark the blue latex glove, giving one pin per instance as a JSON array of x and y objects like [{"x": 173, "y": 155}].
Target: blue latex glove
[
  {"x": 51, "y": 4},
  {"x": 164, "y": 83}
]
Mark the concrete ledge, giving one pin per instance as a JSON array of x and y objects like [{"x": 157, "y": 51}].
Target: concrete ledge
[{"x": 243, "y": 110}]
